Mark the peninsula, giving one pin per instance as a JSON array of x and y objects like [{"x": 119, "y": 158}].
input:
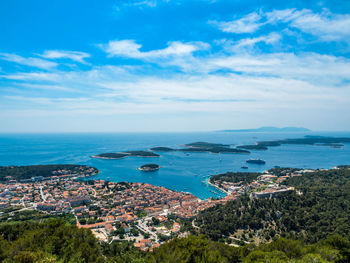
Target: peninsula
[{"x": 32, "y": 173}]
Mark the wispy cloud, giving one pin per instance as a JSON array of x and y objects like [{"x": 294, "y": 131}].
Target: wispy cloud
[
  {"x": 140, "y": 4},
  {"x": 249, "y": 44},
  {"x": 149, "y": 3},
  {"x": 30, "y": 61},
  {"x": 249, "y": 83},
  {"x": 59, "y": 54},
  {"x": 247, "y": 24},
  {"x": 326, "y": 26},
  {"x": 130, "y": 49}
]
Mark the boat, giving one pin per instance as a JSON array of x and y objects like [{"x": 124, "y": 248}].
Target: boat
[
  {"x": 244, "y": 167},
  {"x": 256, "y": 161}
]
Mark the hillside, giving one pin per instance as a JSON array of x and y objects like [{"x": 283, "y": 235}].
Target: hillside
[
  {"x": 320, "y": 207},
  {"x": 56, "y": 241}
]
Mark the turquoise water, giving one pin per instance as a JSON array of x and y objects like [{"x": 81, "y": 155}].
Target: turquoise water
[{"x": 179, "y": 171}]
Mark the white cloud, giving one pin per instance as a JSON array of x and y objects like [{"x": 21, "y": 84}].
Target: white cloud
[
  {"x": 58, "y": 54},
  {"x": 325, "y": 25},
  {"x": 140, "y": 4},
  {"x": 31, "y": 76},
  {"x": 248, "y": 44},
  {"x": 247, "y": 24},
  {"x": 243, "y": 83},
  {"x": 32, "y": 62},
  {"x": 148, "y": 3},
  {"x": 130, "y": 49},
  {"x": 285, "y": 15}
]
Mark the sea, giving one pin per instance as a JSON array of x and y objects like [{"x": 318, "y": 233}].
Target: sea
[{"x": 179, "y": 171}]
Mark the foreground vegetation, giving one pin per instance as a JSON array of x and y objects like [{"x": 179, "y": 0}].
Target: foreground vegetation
[{"x": 57, "y": 241}]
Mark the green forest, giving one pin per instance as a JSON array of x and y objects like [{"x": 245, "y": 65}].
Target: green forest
[
  {"x": 236, "y": 177},
  {"x": 58, "y": 241},
  {"x": 320, "y": 207}
]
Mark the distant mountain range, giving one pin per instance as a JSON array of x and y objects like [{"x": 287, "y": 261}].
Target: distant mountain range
[{"x": 271, "y": 129}]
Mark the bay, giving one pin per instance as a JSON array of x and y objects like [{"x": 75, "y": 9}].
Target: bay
[{"x": 179, "y": 171}]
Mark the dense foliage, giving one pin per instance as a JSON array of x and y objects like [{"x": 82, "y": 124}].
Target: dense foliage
[
  {"x": 55, "y": 241},
  {"x": 236, "y": 177},
  {"x": 19, "y": 215},
  {"x": 26, "y": 172},
  {"x": 199, "y": 249},
  {"x": 321, "y": 208}
]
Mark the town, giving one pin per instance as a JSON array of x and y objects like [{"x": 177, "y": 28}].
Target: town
[
  {"x": 138, "y": 212},
  {"x": 145, "y": 214}
]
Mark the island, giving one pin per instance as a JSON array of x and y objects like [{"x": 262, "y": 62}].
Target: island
[
  {"x": 203, "y": 147},
  {"x": 149, "y": 167},
  {"x": 120, "y": 155},
  {"x": 253, "y": 147},
  {"x": 31, "y": 173},
  {"x": 214, "y": 150},
  {"x": 162, "y": 149},
  {"x": 256, "y": 161},
  {"x": 335, "y": 142},
  {"x": 271, "y": 129},
  {"x": 333, "y": 145}
]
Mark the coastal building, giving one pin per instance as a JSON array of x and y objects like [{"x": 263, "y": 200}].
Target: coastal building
[{"x": 271, "y": 192}]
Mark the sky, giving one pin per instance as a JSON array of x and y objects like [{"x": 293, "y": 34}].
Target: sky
[{"x": 166, "y": 65}]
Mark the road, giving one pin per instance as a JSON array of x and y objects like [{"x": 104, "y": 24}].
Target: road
[
  {"x": 43, "y": 197},
  {"x": 142, "y": 226}
]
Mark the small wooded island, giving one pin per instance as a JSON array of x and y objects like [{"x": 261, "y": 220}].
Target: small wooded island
[
  {"x": 151, "y": 167},
  {"x": 256, "y": 161},
  {"x": 120, "y": 155}
]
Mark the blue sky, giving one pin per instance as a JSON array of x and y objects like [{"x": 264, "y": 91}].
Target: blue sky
[{"x": 164, "y": 65}]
